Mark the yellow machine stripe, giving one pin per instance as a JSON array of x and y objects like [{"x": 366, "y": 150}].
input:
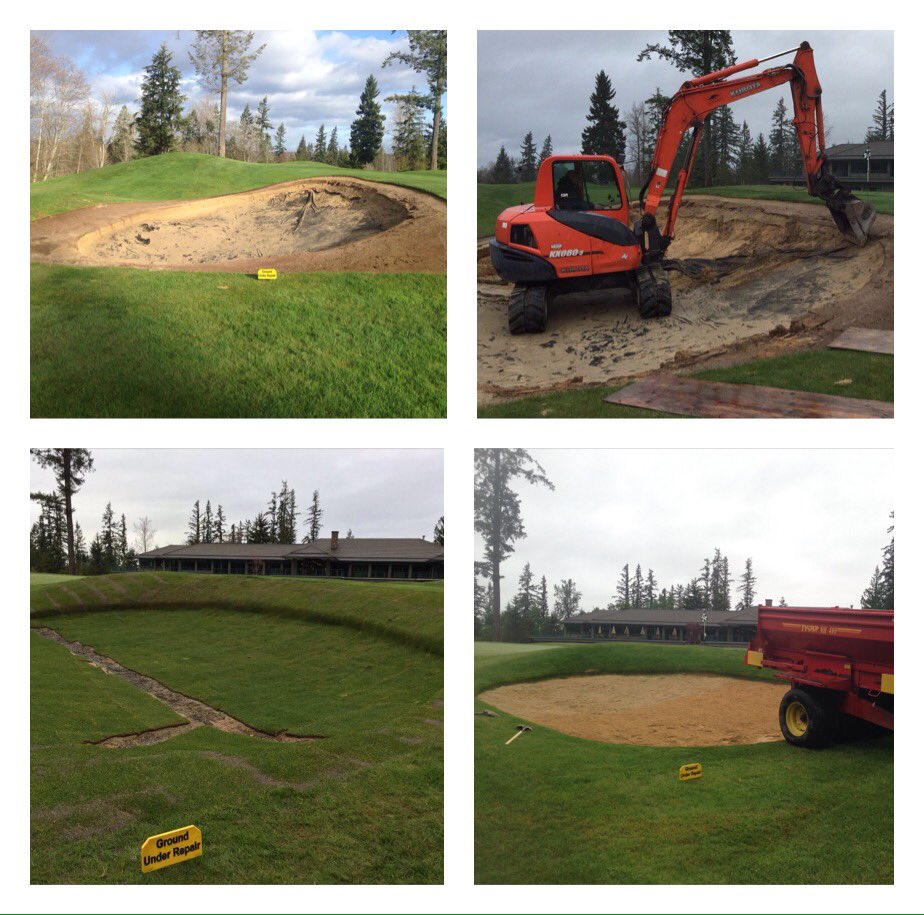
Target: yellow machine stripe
[
  {"x": 888, "y": 684},
  {"x": 755, "y": 658}
]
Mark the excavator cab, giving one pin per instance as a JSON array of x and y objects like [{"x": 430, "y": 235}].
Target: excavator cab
[{"x": 586, "y": 184}]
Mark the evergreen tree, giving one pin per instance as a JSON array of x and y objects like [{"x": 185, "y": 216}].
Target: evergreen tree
[
  {"x": 527, "y": 168},
  {"x": 333, "y": 148},
  {"x": 70, "y": 467},
  {"x": 746, "y": 586},
  {"x": 651, "y": 587},
  {"x": 258, "y": 530},
  {"x": 161, "y": 106},
  {"x": 545, "y": 619},
  {"x": 367, "y": 131},
  {"x": 883, "y": 127},
  {"x": 262, "y": 119},
  {"x": 207, "y": 522},
  {"x": 623, "y": 596},
  {"x": 439, "y": 532},
  {"x": 637, "y": 588},
  {"x": 546, "y": 148},
  {"x": 219, "y": 526},
  {"x": 697, "y": 52},
  {"x": 528, "y": 596},
  {"x": 727, "y": 146},
  {"x": 503, "y": 168},
  {"x": 194, "y": 525},
  {"x": 872, "y": 597},
  {"x": 122, "y": 144},
  {"x": 301, "y": 151},
  {"x": 760, "y": 162},
  {"x": 497, "y": 510},
  {"x": 408, "y": 141},
  {"x": 427, "y": 54},
  {"x": 313, "y": 519},
  {"x": 745, "y": 152},
  {"x": 605, "y": 134},
  {"x": 279, "y": 146},
  {"x": 655, "y": 106},
  {"x": 320, "y": 145},
  {"x": 780, "y": 142}
]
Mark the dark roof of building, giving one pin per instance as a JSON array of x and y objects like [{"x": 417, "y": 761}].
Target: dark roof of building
[
  {"x": 355, "y": 549},
  {"x": 878, "y": 149},
  {"x": 665, "y": 617}
]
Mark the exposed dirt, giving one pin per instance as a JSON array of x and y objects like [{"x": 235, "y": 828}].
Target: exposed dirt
[
  {"x": 318, "y": 224},
  {"x": 197, "y": 713},
  {"x": 662, "y": 710},
  {"x": 751, "y": 279}
]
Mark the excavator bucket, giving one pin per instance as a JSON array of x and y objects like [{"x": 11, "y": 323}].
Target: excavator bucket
[{"x": 853, "y": 217}]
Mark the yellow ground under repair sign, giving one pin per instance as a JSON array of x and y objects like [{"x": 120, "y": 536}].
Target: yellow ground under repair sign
[
  {"x": 267, "y": 273},
  {"x": 691, "y": 770},
  {"x": 171, "y": 848}
]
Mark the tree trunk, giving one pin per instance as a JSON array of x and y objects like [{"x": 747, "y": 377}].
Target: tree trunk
[
  {"x": 67, "y": 486},
  {"x": 222, "y": 115},
  {"x": 437, "y": 111},
  {"x": 495, "y": 552}
]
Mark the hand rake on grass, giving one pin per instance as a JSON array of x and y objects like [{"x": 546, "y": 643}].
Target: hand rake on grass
[{"x": 520, "y": 729}]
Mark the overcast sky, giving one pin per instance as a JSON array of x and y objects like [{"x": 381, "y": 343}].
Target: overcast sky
[
  {"x": 376, "y": 492},
  {"x": 814, "y": 522},
  {"x": 542, "y": 81},
  {"x": 310, "y": 78}
]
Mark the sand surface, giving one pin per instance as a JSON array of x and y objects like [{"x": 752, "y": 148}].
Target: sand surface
[
  {"x": 658, "y": 710},
  {"x": 318, "y": 224},
  {"x": 750, "y": 278}
]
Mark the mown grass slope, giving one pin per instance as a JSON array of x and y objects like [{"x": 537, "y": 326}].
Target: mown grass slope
[
  {"x": 842, "y": 373},
  {"x": 409, "y": 612},
  {"x": 361, "y": 805},
  {"x": 493, "y": 198},
  {"x": 187, "y": 176},
  {"x": 556, "y": 809}
]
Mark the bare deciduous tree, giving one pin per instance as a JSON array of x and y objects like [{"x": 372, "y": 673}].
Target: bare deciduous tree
[{"x": 144, "y": 533}]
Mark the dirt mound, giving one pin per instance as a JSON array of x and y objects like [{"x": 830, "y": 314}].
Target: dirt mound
[
  {"x": 329, "y": 224},
  {"x": 657, "y": 710},
  {"x": 749, "y": 277}
]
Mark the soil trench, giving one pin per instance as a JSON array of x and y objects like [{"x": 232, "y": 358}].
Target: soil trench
[
  {"x": 656, "y": 710},
  {"x": 750, "y": 279},
  {"x": 317, "y": 224},
  {"x": 197, "y": 713}
]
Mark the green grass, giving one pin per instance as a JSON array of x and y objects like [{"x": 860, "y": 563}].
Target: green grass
[
  {"x": 113, "y": 342},
  {"x": 870, "y": 376},
  {"x": 409, "y": 613},
  {"x": 494, "y": 198},
  {"x": 557, "y": 809},
  {"x": 496, "y": 649},
  {"x": 363, "y": 805},
  {"x": 187, "y": 176},
  {"x": 121, "y": 342},
  {"x": 41, "y": 579}
]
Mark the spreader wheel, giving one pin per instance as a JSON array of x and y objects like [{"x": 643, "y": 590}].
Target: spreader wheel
[
  {"x": 528, "y": 309},
  {"x": 806, "y": 720},
  {"x": 646, "y": 290}
]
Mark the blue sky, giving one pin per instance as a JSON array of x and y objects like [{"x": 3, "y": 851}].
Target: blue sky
[{"x": 310, "y": 77}]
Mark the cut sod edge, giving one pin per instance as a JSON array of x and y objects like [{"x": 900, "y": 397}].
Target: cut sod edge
[{"x": 197, "y": 712}]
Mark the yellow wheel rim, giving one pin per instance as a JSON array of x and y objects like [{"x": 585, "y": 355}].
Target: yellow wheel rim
[{"x": 797, "y": 720}]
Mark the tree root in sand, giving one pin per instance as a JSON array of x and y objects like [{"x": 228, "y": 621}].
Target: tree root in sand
[
  {"x": 197, "y": 713},
  {"x": 316, "y": 224},
  {"x": 678, "y": 710},
  {"x": 774, "y": 275}
]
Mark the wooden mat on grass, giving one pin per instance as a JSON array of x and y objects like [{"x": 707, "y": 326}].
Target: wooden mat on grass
[
  {"x": 866, "y": 340},
  {"x": 718, "y": 400}
]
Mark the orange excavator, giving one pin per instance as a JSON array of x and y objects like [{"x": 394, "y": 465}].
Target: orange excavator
[{"x": 576, "y": 235}]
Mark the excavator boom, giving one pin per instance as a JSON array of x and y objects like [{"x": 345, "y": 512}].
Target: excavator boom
[{"x": 702, "y": 95}]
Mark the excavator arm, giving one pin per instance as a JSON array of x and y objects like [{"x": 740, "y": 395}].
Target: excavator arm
[{"x": 699, "y": 97}]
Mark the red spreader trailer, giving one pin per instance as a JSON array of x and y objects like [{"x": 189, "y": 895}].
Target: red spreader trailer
[{"x": 839, "y": 662}]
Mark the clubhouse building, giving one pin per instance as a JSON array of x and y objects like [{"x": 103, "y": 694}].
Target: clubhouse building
[
  {"x": 727, "y": 626},
  {"x": 352, "y": 557}
]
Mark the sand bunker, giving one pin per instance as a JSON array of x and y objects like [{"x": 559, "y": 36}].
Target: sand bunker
[
  {"x": 664, "y": 710},
  {"x": 775, "y": 275},
  {"x": 300, "y": 226}
]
